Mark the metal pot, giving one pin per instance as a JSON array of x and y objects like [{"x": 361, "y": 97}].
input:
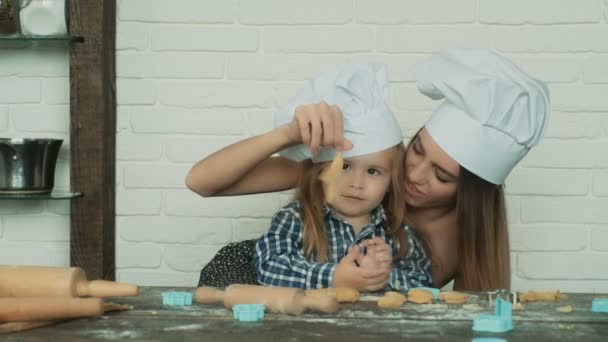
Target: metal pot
[{"x": 27, "y": 166}]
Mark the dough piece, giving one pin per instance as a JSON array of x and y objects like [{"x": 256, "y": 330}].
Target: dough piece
[
  {"x": 517, "y": 306},
  {"x": 390, "y": 302},
  {"x": 546, "y": 296},
  {"x": 472, "y": 307},
  {"x": 342, "y": 294},
  {"x": 420, "y": 296},
  {"x": 453, "y": 297},
  {"x": 396, "y": 294},
  {"x": 331, "y": 176},
  {"x": 566, "y": 309},
  {"x": 528, "y": 296}
]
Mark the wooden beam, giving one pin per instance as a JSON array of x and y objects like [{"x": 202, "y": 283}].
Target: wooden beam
[{"x": 93, "y": 136}]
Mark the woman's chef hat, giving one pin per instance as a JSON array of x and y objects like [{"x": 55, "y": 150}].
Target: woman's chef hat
[
  {"x": 492, "y": 113},
  {"x": 361, "y": 93}
]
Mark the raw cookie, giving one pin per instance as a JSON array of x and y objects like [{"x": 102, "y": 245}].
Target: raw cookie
[
  {"x": 453, "y": 297},
  {"x": 396, "y": 294},
  {"x": 330, "y": 177},
  {"x": 472, "y": 307},
  {"x": 342, "y": 294},
  {"x": 389, "y": 302},
  {"x": 420, "y": 296}
]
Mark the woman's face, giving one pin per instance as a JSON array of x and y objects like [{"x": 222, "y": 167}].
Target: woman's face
[{"x": 431, "y": 175}]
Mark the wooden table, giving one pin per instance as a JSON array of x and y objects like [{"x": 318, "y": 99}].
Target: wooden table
[{"x": 363, "y": 321}]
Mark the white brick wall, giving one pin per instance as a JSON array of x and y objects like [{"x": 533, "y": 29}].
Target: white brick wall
[{"x": 196, "y": 75}]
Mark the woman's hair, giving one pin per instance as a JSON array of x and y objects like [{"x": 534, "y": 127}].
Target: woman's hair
[
  {"x": 483, "y": 237},
  {"x": 311, "y": 197}
]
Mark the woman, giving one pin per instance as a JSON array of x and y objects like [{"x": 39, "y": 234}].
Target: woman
[{"x": 492, "y": 114}]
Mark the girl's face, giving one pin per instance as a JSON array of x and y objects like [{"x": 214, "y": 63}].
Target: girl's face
[
  {"x": 363, "y": 184},
  {"x": 431, "y": 175}
]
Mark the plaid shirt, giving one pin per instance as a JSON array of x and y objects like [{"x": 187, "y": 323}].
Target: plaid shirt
[{"x": 280, "y": 259}]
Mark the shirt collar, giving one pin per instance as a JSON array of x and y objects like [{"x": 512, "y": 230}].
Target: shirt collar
[{"x": 378, "y": 215}]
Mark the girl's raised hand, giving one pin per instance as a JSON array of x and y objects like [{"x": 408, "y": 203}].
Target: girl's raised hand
[
  {"x": 318, "y": 124},
  {"x": 378, "y": 250},
  {"x": 348, "y": 274}
]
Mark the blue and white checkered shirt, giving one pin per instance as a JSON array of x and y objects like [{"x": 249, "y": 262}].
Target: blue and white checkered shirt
[{"x": 280, "y": 259}]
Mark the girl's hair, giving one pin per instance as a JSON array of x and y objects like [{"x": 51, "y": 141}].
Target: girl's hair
[
  {"x": 483, "y": 236},
  {"x": 311, "y": 197}
]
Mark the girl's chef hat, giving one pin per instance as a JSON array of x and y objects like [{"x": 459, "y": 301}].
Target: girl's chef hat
[
  {"x": 492, "y": 113},
  {"x": 361, "y": 93}
]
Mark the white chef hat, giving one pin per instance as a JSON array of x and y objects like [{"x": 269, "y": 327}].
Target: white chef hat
[
  {"x": 493, "y": 112},
  {"x": 361, "y": 92}
]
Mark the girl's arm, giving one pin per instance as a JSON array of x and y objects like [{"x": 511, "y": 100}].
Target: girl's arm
[{"x": 247, "y": 166}]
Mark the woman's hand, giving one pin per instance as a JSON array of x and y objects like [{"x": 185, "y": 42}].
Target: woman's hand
[
  {"x": 348, "y": 274},
  {"x": 318, "y": 124}
]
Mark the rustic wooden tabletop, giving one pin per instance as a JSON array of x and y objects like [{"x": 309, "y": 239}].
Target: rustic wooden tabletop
[{"x": 362, "y": 321}]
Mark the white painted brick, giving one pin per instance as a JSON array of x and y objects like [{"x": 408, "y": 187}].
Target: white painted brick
[
  {"x": 135, "y": 91},
  {"x": 131, "y": 255},
  {"x": 138, "y": 202},
  {"x": 160, "y": 278},
  {"x": 35, "y": 253},
  {"x": 306, "y": 39},
  {"x": 588, "y": 97},
  {"x": 550, "y": 68},
  {"x": 539, "y": 11},
  {"x": 132, "y": 36},
  {"x": 20, "y": 90},
  {"x": 169, "y": 64},
  {"x": 549, "y": 39},
  {"x": 4, "y": 114},
  {"x": 285, "y": 91},
  {"x": 526, "y": 181},
  {"x": 41, "y": 118},
  {"x": 21, "y": 207},
  {"x": 155, "y": 175},
  {"x": 576, "y": 125},
  {"x": 399, "y": 65},
  {"x": 62, "y": 175},
  {"x": 280, "y": 67},
  {"x": 187, "y": 203},
  {"x": 215, "y": 94},
  {"x": 565, "y": 286},
  {"x": 295, "y": 12},
  {"x": 260, "y": 121},
  {"x": 247, "y": 229},
  {"x": 1, "y": 228},
  {"x": 406, "y": 97},
  {"x": 189, "y": 258},
  {"x": 564, "y": 209},
  {"x": 166, "y": 120},
  {"x": 36, "y": 228},
  {"x": 122, "y": 118},
  {"x": 600, "y": 183},
  {"x": 562, "y": 154},
  {"x": 595, "y": 69},
  {"x": 414, "y": 11},
  {"x": 599, "y": 238},
  {"x": 562, "y": 265},
  {"x": 513, "y": 209},
  {"x": 35, "y": 61},
  {"x": 429, "y": 38},
  {"x": 203, "y": 38},
  {"x": 56, "y": 90},
  {"x": 191, "y": 150},
  {"x": 548, "y": 237},
  {"x": 182, "y": 11},
  {"x": 59, "y": 207},
  {"x": 170, "y": 229},
  {"x": 138, "y": 147}
]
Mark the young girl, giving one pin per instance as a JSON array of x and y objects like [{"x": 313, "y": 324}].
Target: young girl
[{"x": 314, "y": 242}]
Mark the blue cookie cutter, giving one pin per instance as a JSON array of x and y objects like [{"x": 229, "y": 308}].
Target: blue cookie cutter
[
  {"x": 248, "y": 312},
  {"x": 599, "y": 305},
  {"x": 499, "y": 323},
  {"x": 177, "y": 298}
]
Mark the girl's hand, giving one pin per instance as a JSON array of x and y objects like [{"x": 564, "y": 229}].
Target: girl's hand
[
  {"x": 378, "y": 250},
  {"x": 318, "y": 124},
  {"x": 348, "y": 274}
]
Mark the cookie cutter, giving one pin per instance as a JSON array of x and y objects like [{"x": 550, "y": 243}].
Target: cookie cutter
[
  {"x": 599, "y": 305},
  {"x": 248, "y": 312},
  {"x": 177, "y": 298},
  {"x": 501, "y": 322},
  {"x": 506, "y": 295}
]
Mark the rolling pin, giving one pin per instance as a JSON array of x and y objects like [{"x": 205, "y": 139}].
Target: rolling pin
[
  {"x": 275, "y": 299},
  {"x": 39, "y": 281},
  {"x": 37, "y": 309}
]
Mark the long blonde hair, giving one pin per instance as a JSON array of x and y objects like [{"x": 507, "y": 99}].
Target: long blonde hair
[{"x": 311, "y": 197}]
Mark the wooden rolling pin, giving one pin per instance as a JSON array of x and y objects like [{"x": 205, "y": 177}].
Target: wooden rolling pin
[
  {"x": 39, "y": 281},
  {"x": 275, "y": 299},
  {"x": 37, "y": 309}
]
